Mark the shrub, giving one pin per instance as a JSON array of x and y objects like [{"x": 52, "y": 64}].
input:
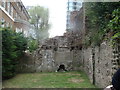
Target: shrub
[
  {"x": 32, "y": 44},
  {"x": 13, "y": 45}
]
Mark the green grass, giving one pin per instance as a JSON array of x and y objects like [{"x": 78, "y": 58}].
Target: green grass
[{"x": 49, "y": 80}]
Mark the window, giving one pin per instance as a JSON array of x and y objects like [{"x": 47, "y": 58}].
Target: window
[
  {"x": 19, "y": 17},
  {"x": 16, "y": 15},
  {"x": 74, "y": 3},
  {"x": 17, "y": 5},
  {"x": 3, "y": 4},
  {"x": 71, "y": 8},
  {"x": 11, "y": 11},
  {"x": 70, "y": 4},
  {"x": 7, "y": 24},
  {"x": 11, "y": 26},
  {"x": 8, "y": 7},
  {"x": 18, "y": 30},
  {"x": 75, "y": 8},
  {"x": 3, "y": 22},
  {"x": 3, "y": 25},
  {"x": 21, "y": 8},
  {"x": 25, "y": 33}
]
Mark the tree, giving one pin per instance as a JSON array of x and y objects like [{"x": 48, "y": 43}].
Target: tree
[
  {"x": 13, "y": 46},
  {"x": 99, "y": 15},
  {"x": 40, "y": 20}
]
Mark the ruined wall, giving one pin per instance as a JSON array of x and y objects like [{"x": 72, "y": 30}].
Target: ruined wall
[
  {"x": 26, "y": 64},
  {"x": 103, "y": 64},
  {"x": 87, "y": 62},
  {"x": 77, "y": 59},
  {"x": 63, "y": 56},
  {"x": 46, "y": 62},
  {"x": 100, "y": 63},
  {"x": 51, "y": 54}
]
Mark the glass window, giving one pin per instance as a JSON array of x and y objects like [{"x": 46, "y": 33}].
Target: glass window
[
  {"x": 8, "y": 7},
  {"x": 18, "y": 30},
  {"x": 74, "y": 3},
  {"x": 16, "y": 15},
  {"x": 70, "y": 4},
  {"x": 21, "y": 8},
  {"x": 17, "y": 4},
  {"x": 71, "y": 8},
  {"x": 3, "y": 22},
  {"x": 11, "y": 11},
  {"x": 74, "y": 7},
  {"x": 7, "y": 24},
  {"x": 11, "y": 26},
  {"x": 3, "y": 4},
  {"x": 3, "y": 25}
]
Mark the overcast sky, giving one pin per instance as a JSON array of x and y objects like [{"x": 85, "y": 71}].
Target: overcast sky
[{"x": 57, "y": 10}]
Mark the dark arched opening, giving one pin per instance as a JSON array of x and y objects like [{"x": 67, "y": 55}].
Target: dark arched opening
[{"x": 61, "y": 68}]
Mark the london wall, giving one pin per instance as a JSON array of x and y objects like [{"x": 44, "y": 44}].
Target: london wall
[{"x": 100, "y": 63}]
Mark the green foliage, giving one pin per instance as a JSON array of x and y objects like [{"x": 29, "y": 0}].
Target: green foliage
[
  {"x": 20, "y": 43},
  {"x": 13, "y": 45},
  {"x": 40, "y": 21},
  {"x": 114, "y": 26},
  {"x": 99, "y": 13},
  {"x": 115, "y": 39},
  {"x": 32, "y": 45},
  {"x": 101, "y": 18},
  {"x": 116, "y": 36},
  {"x": 87, "y": 41}
]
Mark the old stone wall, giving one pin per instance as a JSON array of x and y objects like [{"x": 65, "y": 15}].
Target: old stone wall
[
  {"x": 46, "y": 63},
  {"x": 87, "y": 62},
  {"x": 26, "y": 64},
  {"x": 51, "y": 54},
  {"x": 98, "y": 63},
  {"x": 77, "y": 60},
  {"x": 63, "y": 56},
  {"x": 103, "y": 65}
]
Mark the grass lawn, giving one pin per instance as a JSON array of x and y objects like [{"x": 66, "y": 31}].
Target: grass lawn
[{"x": 49, "y": 80}]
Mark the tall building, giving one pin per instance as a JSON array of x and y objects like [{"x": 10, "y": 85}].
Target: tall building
[
  {"x": 15, "y": 15},
  {"x": 72, "y": 7}
]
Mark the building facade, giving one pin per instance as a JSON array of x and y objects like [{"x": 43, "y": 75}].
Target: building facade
[
  {"x": 72, "y": 7},
  {"x": 15, "y": 16}
]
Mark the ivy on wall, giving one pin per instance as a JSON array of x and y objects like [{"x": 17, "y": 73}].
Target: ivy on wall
[{"x": 101, "y": 18}]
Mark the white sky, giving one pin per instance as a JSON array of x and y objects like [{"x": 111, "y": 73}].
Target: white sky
[{"x": 57, "y": 10}]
